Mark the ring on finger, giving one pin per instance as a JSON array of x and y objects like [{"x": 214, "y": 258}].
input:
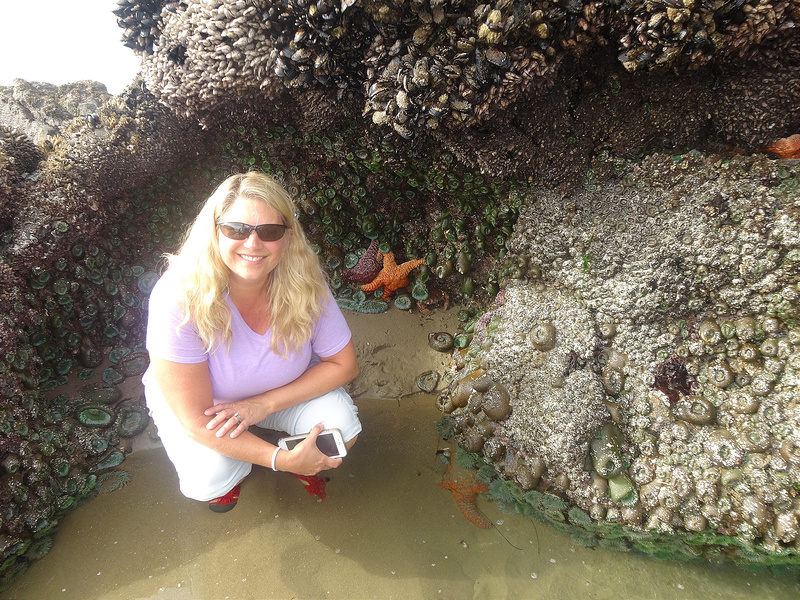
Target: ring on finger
[{"x": 238, "y": 418}]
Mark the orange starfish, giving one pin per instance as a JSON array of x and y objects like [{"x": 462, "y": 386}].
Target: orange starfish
[
  {"x": 788, "y": 147},
  {"x": 392, "y": 276},
  {"x": 464, "y": 490}
]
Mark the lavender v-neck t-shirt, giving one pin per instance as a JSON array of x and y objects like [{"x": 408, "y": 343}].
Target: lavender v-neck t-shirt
[{"x": 249, "y": 367}]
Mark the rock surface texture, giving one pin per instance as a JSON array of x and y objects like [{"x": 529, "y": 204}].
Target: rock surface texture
[
  {"x": 591, "y": 180},
  {"x": 39, "y": 110},
  {"x": 663, "y": 394}
]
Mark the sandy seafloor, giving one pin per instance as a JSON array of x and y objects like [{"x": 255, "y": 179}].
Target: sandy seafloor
[{"x": 385, "y": 530}]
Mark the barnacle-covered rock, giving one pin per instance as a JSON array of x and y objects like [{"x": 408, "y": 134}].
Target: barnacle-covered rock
[
  {"x": 437, "y": 68},
  {"x": 555, "y": 424},
  {"x": 692, "y": 434},
  {"x": 786, "y": 527},
  {"x": 754, "y": 511}
]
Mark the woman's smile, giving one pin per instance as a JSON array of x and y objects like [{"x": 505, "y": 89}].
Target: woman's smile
[{"x": 251, "y": 260}]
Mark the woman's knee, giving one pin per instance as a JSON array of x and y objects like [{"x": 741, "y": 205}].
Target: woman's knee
[
  {"x": 206, "y": 483},
  {"x": 334, "y": 410}
]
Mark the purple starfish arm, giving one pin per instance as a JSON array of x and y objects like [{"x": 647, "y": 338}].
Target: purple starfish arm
[{"x": 367, "y": 267}]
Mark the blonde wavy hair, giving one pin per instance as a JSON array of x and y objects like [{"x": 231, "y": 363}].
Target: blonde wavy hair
[{"x": 296, "y": 288}]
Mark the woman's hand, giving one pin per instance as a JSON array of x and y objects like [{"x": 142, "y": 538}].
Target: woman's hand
[
  {"x": 327, "y": 375},
  {"x": 234, "y": 417},
  {"x": 306, "y": 458}
]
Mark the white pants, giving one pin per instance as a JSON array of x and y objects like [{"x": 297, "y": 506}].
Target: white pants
[{"x": 205, "y": 474}]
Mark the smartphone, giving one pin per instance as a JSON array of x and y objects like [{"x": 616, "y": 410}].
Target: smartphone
[{"x": 329, "y": 441}]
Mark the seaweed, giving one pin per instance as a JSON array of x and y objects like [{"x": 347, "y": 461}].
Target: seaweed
[
  {"x": 584, "y": 537},
  {"x": 579, "y": 517},
  {"x": 553, "y": 503},
  {"x": 616, "y": 544}
]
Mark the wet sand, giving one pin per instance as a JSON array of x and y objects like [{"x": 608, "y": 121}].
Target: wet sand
[{"x": 385, "y": 530}]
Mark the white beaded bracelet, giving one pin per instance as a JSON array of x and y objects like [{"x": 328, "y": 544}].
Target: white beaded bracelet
[{"x": 274, "y": 456}]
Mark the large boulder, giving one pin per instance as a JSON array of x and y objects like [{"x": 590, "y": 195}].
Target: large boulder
[{"x": 649, "y": 343}]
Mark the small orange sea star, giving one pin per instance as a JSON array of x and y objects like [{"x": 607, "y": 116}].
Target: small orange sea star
[
  {"x": 464, "y": 490},
  {"x": 788, "y": 147},
  {"x": 392, "y": 276}
]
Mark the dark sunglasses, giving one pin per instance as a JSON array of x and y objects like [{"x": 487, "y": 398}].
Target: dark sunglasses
[{"x": 270, "y": 232}]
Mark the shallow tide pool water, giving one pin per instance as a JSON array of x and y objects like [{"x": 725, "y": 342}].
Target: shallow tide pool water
[{"x": 385, "y": 530}]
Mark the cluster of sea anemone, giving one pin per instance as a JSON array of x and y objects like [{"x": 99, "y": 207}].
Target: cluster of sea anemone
[
  {"x": 651, "y": 372},
  {"x": 381, "y": 194}
]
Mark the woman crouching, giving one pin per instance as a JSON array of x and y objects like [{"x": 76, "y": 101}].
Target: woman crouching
[{"x": 243, "y": 331}]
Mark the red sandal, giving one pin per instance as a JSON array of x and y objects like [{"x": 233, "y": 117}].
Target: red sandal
[
  {"x": 314, "y": 484},
  {"x": 226, "y": 502}
]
